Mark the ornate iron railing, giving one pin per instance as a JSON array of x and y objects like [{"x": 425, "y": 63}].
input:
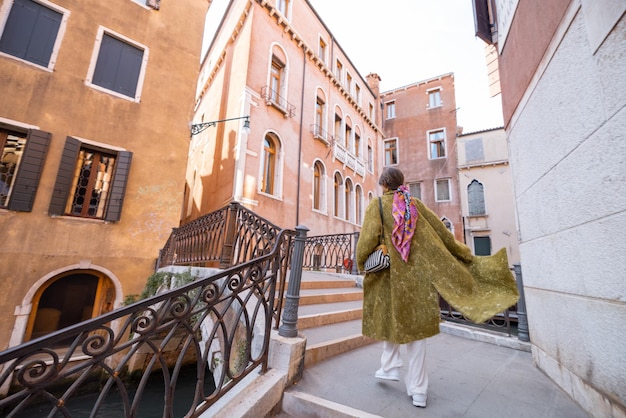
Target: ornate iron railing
[
  {"x": 219, "y": 325},
  {"x": 224, "y": 238},
  {"x": 331, "y": 252}
]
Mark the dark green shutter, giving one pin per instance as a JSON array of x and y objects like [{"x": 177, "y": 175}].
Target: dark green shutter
[
  {"x": 65, "y": 176},
  {"x": 118, "y": 186},
  {"x": 29, "y": 172}
]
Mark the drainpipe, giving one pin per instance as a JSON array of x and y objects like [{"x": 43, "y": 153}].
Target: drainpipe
[{"x": 300, "y": 138}]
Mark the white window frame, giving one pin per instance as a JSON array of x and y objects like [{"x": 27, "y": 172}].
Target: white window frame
[
  {"x": 385, "y": 152},
  {"x": 4, "y": 17},
  {"x": 323, "y": 209},
  {"x": 323, "y": 54},
  {"x": 429, "y": 143},
  {"x": 449, "y": 183},
  {"x": 278, "y": 169},
  {"x": 284, "y": 8},
  {"x": 94, "y": 59},
  {"x": 432, "y": 91},
  {"x": 390, "y": 109}
]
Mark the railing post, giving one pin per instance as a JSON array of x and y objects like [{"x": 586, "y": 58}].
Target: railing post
[
  {"x": 292, "y": 298},
  {"x": 355, "y": 269},
  {"x": 522, "y": 319},
  {"x": 226, "y": 258}
]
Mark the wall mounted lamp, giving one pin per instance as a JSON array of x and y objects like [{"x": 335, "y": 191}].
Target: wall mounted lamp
[{"x": 199, "y": 127}]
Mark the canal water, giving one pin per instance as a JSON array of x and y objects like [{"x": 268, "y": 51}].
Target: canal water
[{"x": 151, "y": 401}]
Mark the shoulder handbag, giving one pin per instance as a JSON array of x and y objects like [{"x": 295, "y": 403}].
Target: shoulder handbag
[{"x": 379, "y": 259}]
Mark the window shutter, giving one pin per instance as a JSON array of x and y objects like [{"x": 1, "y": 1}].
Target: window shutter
[
  {"x": 65, "y": 174},
  {"x": 118, "y": 187},
  {"x": 482, "y": 22},
  {"x": 31, "y": 31},
  {"x": 129, "y": 69},
  {"x": 29, "y": 171}
]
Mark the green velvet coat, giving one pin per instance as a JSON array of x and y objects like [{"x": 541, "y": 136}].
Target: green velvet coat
[{"x": 401, "y": 304}]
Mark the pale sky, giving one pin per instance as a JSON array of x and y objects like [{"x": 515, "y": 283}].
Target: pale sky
[{"x": 406, "y": 41}]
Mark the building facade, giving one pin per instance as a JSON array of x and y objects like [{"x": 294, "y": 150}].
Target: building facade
[
  {"x": 94, "y": 145},
  {"x": 487, "y": 201},
  {"x": 309, "y": 156},
  {"x": 562, "y": 67},
  {"x": 419, "y": 121}
]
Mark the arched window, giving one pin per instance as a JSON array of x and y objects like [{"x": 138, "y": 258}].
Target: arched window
[
  {"x": 448, "y": 223},
  {"x": 320, "y": 115},
  {"x": 359, "y": 204},
  {"x": 338, "y": 133},
  {"x": 476, "y": 198},
  {"x": 348, "y": 134},
  {"x": 319, "y": 186},
  {"x": 338, "y": 195},
  {"x": 277, "y": 83},
  {"x": 349, "y": 205},
  {"x": 357, "y": 142},
  {"x": 268, "y": 168}
]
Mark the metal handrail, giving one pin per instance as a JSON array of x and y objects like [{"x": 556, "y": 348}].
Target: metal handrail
[{"x": 229, "y": 313}]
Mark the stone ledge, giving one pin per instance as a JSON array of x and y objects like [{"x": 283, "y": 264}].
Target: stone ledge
[
  {"x": 303, "y": 405},
  {"x": 485, "y": 336}
]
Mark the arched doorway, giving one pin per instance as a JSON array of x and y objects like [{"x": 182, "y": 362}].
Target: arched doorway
[{"x": 67, "y": 299}]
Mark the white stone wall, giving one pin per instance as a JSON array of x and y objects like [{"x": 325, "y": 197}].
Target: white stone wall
[{"x": 568, "y": 154}]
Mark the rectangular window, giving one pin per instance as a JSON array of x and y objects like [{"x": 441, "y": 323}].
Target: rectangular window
[
  {"x": 118, "y": 65},
  {"x": 391, "y": 110},
  {"x": 482, "y": 246},
  {"x": 21, "y": 162},
  {"x": 437, "y": 144},
  {"x": 391, "y": 152},
  {"x": 276, "y": 80},
  {"x": 338, "y": 133},
  {"x": 371, "y": 111},
  {"x": 91, "y": 181},
  {"x": 357, "y": 94},
  {"x": 338, "y": 70},
  {"x": 349, "y": 83},
  {"x": 434, "y": 98},
  {"x": 416, "y": 190},
  {"x": 319, "y": 117},
  {"x": 31, "y": 32},
  {"x": 442, "y": 190},
  {"x": 283, "y": 7},
  {"x": 321, "y": 52}
]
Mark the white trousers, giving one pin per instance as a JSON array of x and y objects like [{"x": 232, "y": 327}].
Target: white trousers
[{"x": 416, "y": 379}]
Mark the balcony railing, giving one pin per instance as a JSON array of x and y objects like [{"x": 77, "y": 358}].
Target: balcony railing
[
  {"x": 274, "y": 99},
  {"x": 319, "y": 133},
  {"x": 349, "y": 159}
]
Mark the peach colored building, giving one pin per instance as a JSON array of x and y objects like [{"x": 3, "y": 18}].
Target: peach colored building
[
  {"x": 487, "y": 200},
  {"x": 93, "y": 113},
  {"x": 309, "y": 157},
  {"x": 419, "y": 121}
]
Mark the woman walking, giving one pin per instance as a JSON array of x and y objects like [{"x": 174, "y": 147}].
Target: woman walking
[{"x": 401, "y": 303}]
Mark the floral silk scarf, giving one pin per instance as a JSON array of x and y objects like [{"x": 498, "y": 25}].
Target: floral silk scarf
[{"x": 405, "y": 217}]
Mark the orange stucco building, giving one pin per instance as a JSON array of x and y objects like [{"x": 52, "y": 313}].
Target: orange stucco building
[
  {"x": 311, "y": 156},
  {"x": 94, "y": 106}
]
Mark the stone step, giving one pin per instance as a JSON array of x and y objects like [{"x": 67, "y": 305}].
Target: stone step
[
  {"x": 329, "y": 297},
  {"x": 327, "y": 318},
  {"x": 322, "y": 351},
  {"x": 300, "y": 404}
]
